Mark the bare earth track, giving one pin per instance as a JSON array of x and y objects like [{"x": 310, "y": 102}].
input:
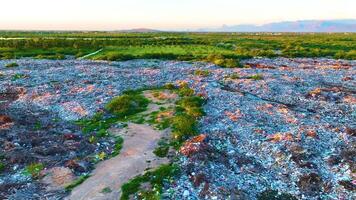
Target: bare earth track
[{"x": 135, "y": 157}]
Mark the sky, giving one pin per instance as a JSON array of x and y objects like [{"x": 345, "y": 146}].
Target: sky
[{"x": 163, "y": 14}]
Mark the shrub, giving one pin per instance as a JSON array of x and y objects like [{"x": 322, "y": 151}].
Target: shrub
[
  {"x": 77, "y": 182},
  {"x": 156, "y": 179},
  {"x": 161, "y": 151},
  {"x": 170, "y": 86},
  {"x": 34, "y": 169},
  {"x": 275, "y": 195},
  {"x": 127, "y": 104},
  {"x": 106, "y": 190},
  {"x": 11, "y": 65},
  {"x": 189, "y": 102},
  {"x": 165, "y": 56},
  {"x": 184, "y": 90},
  {"x": 203, "y": 73},
  {"x": 224, "y": 62},
  {"x": 232, "y": 63},
  {"x": 102, "y": 133},
  {"x": 96, "y": 123},
  {"x": 234, "y": 76},
  {"x": 192, "y": 106},
  {"x": 2, "y": 167},
  {"x": 184, "y": 126},
  {"x": 256, "y": 77},
  {"x": 18, "y": 76},
  {"x": 118, "y": 145},
  {"x": 118, "y": 57}
]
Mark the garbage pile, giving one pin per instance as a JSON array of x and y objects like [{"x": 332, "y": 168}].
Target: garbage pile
[{"x": 277, "y": 125}]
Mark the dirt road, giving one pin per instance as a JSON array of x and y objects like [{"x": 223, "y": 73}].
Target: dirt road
[{"x": 135, "y": 157}]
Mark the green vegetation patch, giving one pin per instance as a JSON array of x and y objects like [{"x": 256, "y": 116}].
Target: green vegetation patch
[
  {"x": 34, "y": 169},
  {"x": 2, "y": 167},
  {"x": 275, "y": 195},
  {"x": 18, "y": 76},
  {"x": 223, "y": 49},
  {"x": 127, "y": 104},
  {"x": 77, "y": 182},
  {"x": 155, "y": 178},
  {"x": 233, "y": 75},
  {"x": 256, "y": 77},
  {"x": 222, "y": 61},
  {"x": 162, "y": 149},
  {"x": 203, "y": 73},
  {"x": 10, "y": 65},
  {"x": 118, "y": 145}
]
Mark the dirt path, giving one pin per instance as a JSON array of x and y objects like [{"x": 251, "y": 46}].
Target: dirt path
[
  {"x": 135, "y": 157},
  {"x": 91, "y": 54}
]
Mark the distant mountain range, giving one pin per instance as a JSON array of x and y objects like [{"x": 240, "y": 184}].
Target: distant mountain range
[
  {"x": 139, "y": 30},
  {"x": 348, "y": 25}
]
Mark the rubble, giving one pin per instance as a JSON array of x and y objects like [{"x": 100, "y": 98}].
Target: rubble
[{"x": 291, "y": 131}]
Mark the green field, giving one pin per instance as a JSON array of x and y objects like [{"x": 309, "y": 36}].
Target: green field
[{"x": 176, "y": 46}]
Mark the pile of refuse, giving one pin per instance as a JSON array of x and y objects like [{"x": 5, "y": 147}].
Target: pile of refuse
[{"x": 276, "y": 127}]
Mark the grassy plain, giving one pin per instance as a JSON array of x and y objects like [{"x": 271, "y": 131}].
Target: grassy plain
[{"x": 177, "y": 46}]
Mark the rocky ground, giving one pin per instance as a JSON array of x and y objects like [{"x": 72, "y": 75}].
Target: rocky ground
[{"x": 281, "y": 124}]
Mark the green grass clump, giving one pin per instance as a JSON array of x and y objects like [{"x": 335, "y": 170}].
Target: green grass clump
[
  {"x": 162, "y": 149},
  {"x": 106, "y": 190},
  {"x": 222, "y": 61},
  {"x": 118, "y": 145},
  {"x": 192, "y": 105},
  {"x": 2, "y": 167},
  {"x": 203, "y": 73},
  {"x": 97, "y": 123},
  {"x": 34, "y": 169},
  {"x": 169, "y": 86},
  {"x": 183, "y": 126},
  {"x": 11, "y": 65},
  {"x": 127, "y": 104},
  {"x": 156, "y": 179},
  {"x": 256, "y": 77},
  {"x": 18, "y": 76},
  {"x": 185, "y": 90},
  {"x": 274, "y": 195},
  {"x": 102, "y": 133},
  {"x": 77, "y": 182},
  {"x": 233, "y": 76}
]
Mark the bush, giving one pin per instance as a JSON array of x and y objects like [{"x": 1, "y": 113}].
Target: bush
[
  {"x": 220, "y": 60},
  {"x": 184, "y": 90},
  {"x": 232, "y": 63},
  {"x": 12, "y": 65},
  {"x": 203, "y": 73},
  {"x": 161, "y": 151},
  {"x": 275, "y": 195},
  {"x": 188, "y": 102},
  {"x": 2, "y": 167},
  {"x": 256, "y": 77},
  {"x": 34, "y": 169},
  {"x": 184, "y": 126},
  {"x": 233, "y": 76},
  {"x": 117, "y": 57},
  {"x": 156, "y": 179},
  {"x": 127, "y": 104},
  {"x": 170, "y": 86},
  {"x": 77, "y": 182}
]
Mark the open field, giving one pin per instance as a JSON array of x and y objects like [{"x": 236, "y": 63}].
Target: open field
[{"x": 178, "y": 46}]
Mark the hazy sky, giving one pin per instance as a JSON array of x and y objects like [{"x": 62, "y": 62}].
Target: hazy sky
[{"x": 163, "y": 14}]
